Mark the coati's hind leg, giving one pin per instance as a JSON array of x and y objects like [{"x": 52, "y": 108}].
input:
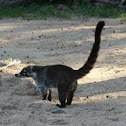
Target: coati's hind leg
[
  {"x": 62, "y": 92},
  {"x": 70, "y": 97},
  {"x": 70, "y": 93}
]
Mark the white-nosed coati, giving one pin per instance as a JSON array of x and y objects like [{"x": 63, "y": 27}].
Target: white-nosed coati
[{"x": 62, "y": 77}]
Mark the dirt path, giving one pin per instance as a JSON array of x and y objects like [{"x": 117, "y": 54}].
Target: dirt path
[{"x": 100, "y": 99}]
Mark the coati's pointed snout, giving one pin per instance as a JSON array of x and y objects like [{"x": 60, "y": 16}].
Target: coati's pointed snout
[{"x": 18, "y": 75}]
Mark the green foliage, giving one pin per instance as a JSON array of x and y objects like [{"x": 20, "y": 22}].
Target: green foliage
[
  {"x": 84, "y": 3},
  {"x": 10, "y": 12},
  {"x": 35, "y": 11},
  {"x": 101, "y": 12}
]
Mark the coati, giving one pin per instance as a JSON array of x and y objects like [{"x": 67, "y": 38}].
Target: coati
[{"x": 62, "y": 77}]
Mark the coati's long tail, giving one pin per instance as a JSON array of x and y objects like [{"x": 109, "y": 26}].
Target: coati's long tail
[{"x": 94, "y": 53}]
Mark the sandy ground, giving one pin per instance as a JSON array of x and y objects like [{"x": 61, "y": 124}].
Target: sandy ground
[{"x": 100, "y": 99}]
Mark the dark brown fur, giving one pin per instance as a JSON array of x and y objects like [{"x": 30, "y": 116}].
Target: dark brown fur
[{"x": 62, "y": 77}]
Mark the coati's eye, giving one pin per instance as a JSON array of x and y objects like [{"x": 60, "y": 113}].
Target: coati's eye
[{"x": 24, "y": 72}]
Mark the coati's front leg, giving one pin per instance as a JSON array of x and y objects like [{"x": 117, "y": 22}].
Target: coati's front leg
[
  {"x": 43, "y": 92},
  {"x": 42, "y": 89},
  {"x": 46, "y": 93}
]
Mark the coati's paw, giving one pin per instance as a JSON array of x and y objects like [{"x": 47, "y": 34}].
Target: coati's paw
[
  {"x": 68, "y": 103},
  {"x": 43, "y": 98},
  {"x": 61, "y": 106},
  {"x": 50, "y": 98}
]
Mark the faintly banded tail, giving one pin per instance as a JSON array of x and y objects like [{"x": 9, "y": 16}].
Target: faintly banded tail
[{"x": 93, "y": 55}]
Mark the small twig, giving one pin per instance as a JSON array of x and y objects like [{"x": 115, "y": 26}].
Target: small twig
[{"x": 12, "y": 62}]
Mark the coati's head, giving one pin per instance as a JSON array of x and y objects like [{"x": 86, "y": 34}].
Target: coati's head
[{"x": 26, "y": 72}]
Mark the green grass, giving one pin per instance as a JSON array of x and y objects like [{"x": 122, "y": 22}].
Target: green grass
[{"x": 35, "y": 11}]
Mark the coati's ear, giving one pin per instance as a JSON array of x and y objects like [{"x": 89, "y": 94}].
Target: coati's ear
[{"x": 32, "y": 68}]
